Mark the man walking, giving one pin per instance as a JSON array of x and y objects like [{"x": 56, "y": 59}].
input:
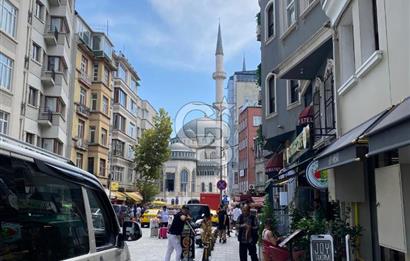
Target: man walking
[
  {"x": 222, "y": 224},
  {"x": 248, "y": 235},
  {"x": 175, "y": 232},
  {"x": 235, "y": 215},
  {"x": 164, "y": 216}
]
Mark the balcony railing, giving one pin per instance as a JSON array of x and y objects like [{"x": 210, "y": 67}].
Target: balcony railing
[
  {"x": 85, "y": 78},
  {"x": 45, "y": 116},
  {"x": 48, "y": 78},
  {"x": 81, "y": 143},
  {"x": 82, "y": 109},
  {"x": 51, "y": 36}
]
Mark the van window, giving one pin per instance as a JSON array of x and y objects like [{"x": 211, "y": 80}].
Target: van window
[
  {"x": 42, "y": 217},
  {"x": 103, "y": 223}
]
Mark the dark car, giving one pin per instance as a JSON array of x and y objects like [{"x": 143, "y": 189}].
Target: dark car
[{"x": 198, "y": 210}]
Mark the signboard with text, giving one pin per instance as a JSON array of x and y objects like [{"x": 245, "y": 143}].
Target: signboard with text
[
  {"x": 300, "y": 143},
  {"x": 321, "y": 248}
]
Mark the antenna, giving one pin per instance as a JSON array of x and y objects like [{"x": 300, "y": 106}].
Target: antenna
[{"x": 107, "y": 27}]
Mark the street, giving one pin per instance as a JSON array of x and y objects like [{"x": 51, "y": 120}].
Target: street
[{"x": 153, "y": 249}]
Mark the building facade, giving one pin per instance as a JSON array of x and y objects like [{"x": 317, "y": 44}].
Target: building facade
[
  {"x": 36, "y": 65},
  {"x": 368, "y": 163},
  {"x": 242, "y": 89},
  {"x": 250, "y": 118}
]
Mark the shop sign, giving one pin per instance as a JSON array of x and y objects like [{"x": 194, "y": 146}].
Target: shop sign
[
  {"x": 300, "y": 143},
  {"x": 115, "y": 186},
  {"x": 321, "y": 248},
  {"x": 317, "y": 179}
]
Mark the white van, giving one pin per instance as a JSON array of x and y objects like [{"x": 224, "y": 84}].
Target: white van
[{"x": 51, "y": 210}]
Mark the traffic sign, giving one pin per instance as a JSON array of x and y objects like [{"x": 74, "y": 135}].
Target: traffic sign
[{"x": 221, "y": 185}]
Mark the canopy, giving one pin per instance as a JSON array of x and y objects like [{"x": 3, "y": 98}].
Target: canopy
[
  {"x": 275, "y": 163},
  {"x": 306, "y": 116},
  {"x": 118, "y": 195},
  {"x": 135, "y": 196}
]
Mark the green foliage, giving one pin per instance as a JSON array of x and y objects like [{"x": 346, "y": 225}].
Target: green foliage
[
  {"x": 151, "y": 152},
  {"x": 267, "y": 213},
  {"x": 259, "y": 75},
  {"x": 258, "y": 18}
]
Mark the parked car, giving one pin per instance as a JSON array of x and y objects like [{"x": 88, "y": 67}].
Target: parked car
[
  {"x": 148, "y": 215},
  {"x": 48, "y": 207}
]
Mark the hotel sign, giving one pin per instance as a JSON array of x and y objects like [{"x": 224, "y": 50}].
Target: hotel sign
[{"x": 300, "y": 143}]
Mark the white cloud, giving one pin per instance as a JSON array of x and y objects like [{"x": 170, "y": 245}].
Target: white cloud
[{"x": 182, "y": 33}]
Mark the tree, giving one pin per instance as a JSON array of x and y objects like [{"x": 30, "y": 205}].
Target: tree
[{"x": 151, "y": 152}]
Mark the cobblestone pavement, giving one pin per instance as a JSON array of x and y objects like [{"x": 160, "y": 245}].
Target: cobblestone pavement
[{"x": 153, "y": 249}]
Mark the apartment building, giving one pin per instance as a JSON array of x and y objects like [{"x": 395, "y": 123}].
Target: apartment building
[
  {"x": 36, "y": 49},
  {"x": 92, "y": 94}
]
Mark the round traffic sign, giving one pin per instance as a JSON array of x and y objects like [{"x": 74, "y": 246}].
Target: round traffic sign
[{"x": 221, "y": 185}]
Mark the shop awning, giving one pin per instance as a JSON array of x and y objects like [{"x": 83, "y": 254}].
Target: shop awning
[
  {"x": 273, "y": 143},
  {"x": 134, "y": 196},
  {"x": 348, "y": 148},
  {"x": 118, "y": 195},
  {"x": 306, "y": 116},
  {"x": 392, "y": 131},
  {"x": 275, "y": 163}
]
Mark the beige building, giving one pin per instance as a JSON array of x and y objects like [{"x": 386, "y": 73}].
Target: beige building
[
  {"x": 35, "y": 64},
  {"x": 131, "y": 116},
  {"x": 92, "y": 94}
]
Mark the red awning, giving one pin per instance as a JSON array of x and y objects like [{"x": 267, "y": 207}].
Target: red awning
[
  {"x": 275, "y": 163},
  {"x": 306, "y": 116}
]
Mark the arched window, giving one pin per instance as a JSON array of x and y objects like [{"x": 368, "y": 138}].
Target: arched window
[
  {"x": 210, "y": 186},
  {"x": 270, "y": 87},
  {"x": 184, "y": 180},
  {"x": 193, "y": 181},
  {"x": 202, "y": 187}
]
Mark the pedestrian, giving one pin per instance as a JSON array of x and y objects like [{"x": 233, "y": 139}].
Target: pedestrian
[
  {"x": 138, "y": 212},
  {"x": 222, "y": 224},
  {"x": 175, "y": 232},
  {"x": 235, "y": 215},
  {"x": 164, "y": 216},
  {"x": 134, "y": 211},
  {"x": 248, "y": 234},
  {"x": 269, "y": 239}
]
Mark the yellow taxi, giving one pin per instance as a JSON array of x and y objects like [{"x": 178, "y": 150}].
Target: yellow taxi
[
  {"x": 214, "y": 217},
  {"x": 148, "y": 215}
]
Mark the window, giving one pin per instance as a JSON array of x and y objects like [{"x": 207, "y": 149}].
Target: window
[
  {"x": 106, "y": 75},
  {"x": 8, "y": 17},
  {"x": 58, "y": 24},
  {"x": 118, "y": 148},
  {"x": 6, "y": 71},
  {"x": 184, "y": 181},
  {"x": 290, "y": 13},
  {"x": 203, "y": 187},
  {"x": 271, "y": 89},
  {"x": 130, "y": 153},
  {"x": 293, "y": 91},
  {"x": 92, "y": 134},
  {"x": 79, "y": 160},
  {"x": 210, "y": 186},
  {"x": 134, "y": 108},
  {"x": 55, "y": 105},
  {"x": 105, "y": 105},
  {"x": 122, "y": 73},
  {"x": 193, "y": 181},
  {"x": 41, "y": 201},
  {"x": 305, "y": 4},
  {"x": 170, "y": 182},
  {"x": 32, "y": 96},
  {"x": 94, "y": 98},
  {"x": 102, "y": 167},
  {"x": 53, "y": 145},
  {"x": 95, "y": 71},
  {"x": 84, "y": 65},
  {"x": 346, "y": 47},
  {"x": 118, "y": 173},
  {"x": 120, "y": 97},
  {"x": 80, "y": 129},
  {"x": 36, "y": 52},
  {"x": 257, "y": 120},
  {"x": 4, "y": 122},
  {"x": 90, "y": 165},
  {"x": 134, "y": 85},
  {"x": 83, "y": 96},
  {"x": 30, "y": 138},
  {"x": 270, "y": 20},
  {"x": 103, "y": 137},
  {"x": 55, "y": 64},
  {"x": 131, "y": 130},
  {"x": 104, "y": 229},
  {"x": 39, "y": 11},
  {"x": 119, "y": 122}
]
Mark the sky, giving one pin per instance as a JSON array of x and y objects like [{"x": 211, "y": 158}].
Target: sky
[{"x": 171, "y": 43}]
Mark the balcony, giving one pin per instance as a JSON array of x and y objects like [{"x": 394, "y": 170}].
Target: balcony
[
  {"x": 84, "y": 78},
  {"x": 82, "y": 110},
  {"x": 81, "y": 143},
  {"x": 51, "y": 36},
  {"x": 48, "y": 78},
  {"x": 45, "y": 117}
]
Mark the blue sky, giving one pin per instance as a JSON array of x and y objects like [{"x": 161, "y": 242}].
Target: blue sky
[{"x": 171, "y": 43}]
